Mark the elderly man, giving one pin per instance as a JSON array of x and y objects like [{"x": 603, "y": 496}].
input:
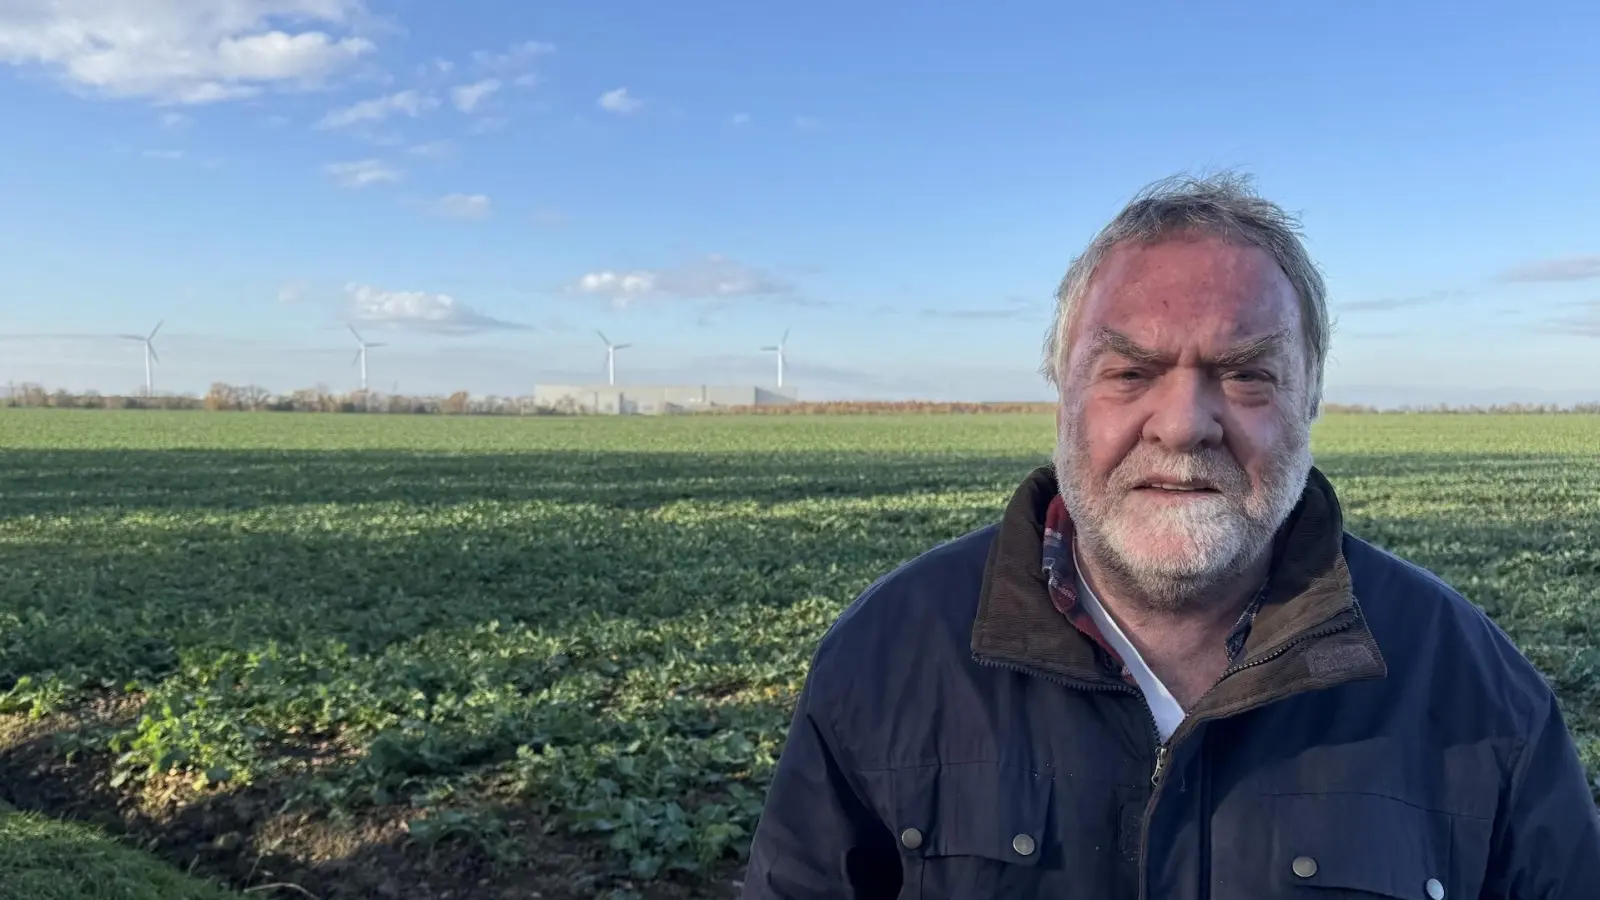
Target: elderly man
[{"x": 1167, "y": 671}]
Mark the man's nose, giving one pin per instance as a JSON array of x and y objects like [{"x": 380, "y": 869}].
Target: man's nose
[{"x": 1187, "y": 414}]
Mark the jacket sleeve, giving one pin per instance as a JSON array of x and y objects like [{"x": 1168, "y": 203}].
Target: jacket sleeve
[
  {"x": 1547, "y": 839},
  {"x": 818, "y": 838}
]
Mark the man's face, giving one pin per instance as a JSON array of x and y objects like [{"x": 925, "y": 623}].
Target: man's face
[{"x": 1184, "y": 424}]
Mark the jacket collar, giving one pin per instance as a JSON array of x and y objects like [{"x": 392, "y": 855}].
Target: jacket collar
[{"x": 1308, "y": 633}]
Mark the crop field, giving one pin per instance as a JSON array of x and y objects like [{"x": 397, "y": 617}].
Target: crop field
[{"x": 475, "y": 658}]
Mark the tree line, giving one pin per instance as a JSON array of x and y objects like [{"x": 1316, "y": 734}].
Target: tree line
[{"x": 251, "y": 398}]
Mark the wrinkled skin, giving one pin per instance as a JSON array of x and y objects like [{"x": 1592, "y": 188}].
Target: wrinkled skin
[{"x": 1149, "y": 394}]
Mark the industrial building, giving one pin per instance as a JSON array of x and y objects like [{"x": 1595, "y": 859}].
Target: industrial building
[{"x": 655, "y": 399}]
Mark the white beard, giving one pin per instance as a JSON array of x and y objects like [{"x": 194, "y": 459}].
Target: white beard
[{"x": 1175, "y": 554}]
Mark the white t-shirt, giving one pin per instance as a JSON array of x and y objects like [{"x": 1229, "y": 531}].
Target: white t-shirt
[{"x": 1167, "y": 711}]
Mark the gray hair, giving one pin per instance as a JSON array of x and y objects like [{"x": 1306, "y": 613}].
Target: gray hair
[{"x": 1224, "y": 205}]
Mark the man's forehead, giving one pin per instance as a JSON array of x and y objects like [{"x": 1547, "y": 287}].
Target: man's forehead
[
  {"x": 1200, "y": 289},
  {"x": 1220, "y": 328}
]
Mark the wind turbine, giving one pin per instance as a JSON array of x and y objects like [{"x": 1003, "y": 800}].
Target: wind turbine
[
  {"x": 611, "y": 356},
  {"x": 149, "y": 356},
  {"x": 778, "y": 349},
  {"x": 361, "y": 355}
]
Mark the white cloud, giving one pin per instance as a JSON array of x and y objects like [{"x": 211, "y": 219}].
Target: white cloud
[
  {"x": 1384, "y": 304},
  {"x": 411, "y": 103},
  {"x": 739, "y": 119},
  {"x": 170, "y": 155},
  {"x": 619, "y": 284},
  {"x": 619, "y": 102},
  {"x": 1008, "y": 309},
  {"x": 1571, "y": 268},
  {"x": 1584, "y": 322},
  {"x": 420, "y": 310},
  {"x": 714, "y": 278},
  {"x": 807, "y": 123},
  {"x": 183, "y": 51},
  {"x": 515, "y": 59},
  {"x": 174, "y": 120},
  {"x": 434, "y": 149},
  {"x": 468, "y": 96},
  {"x": 464, "y": 206},
  {"x": 362, "y": 173}
]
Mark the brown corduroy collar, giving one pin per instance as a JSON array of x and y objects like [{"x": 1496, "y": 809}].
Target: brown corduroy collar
[{"x": 1309, "y": 633}]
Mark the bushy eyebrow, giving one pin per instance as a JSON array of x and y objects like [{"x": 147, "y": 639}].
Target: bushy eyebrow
[
  {"x": 1110, "y": 340},
  {"x": 1250, "y": 351}
]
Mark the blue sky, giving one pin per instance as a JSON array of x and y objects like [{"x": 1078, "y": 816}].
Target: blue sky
[{"x": 480, "y": 186}]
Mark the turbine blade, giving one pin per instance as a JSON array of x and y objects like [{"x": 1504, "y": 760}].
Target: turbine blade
[
  {"x": 785, "y": 337},
  {"x": 357, "y": 360},
  {"x": 769, "y": 349},
  {"x": 355, "y": 332},
  {"x": 156, "y": 329},
  {"x": 603, "y": 336},
  {"x": 369, "y": 346},
  {"x": 132, "y": 337},
  {"x": 156, "y": 357},
  {"x": 622, "y": 346}
]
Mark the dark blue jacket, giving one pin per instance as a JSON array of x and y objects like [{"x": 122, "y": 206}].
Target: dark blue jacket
[{"x": 1379, "y": 737}]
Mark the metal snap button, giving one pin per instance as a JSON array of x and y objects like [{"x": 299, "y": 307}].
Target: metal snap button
[
  {"x": 1023, "y": 844},
  {"x": 1435, "y": 889},
  {"x": 912, "y": 838},
  {"x": 1305, "y": 866}
]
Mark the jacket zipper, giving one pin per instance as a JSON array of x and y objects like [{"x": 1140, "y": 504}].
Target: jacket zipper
[
  {"x": 1155, "y": 730},
  {"x": 1310, "y": 635},
  {"x": 1119, "y": 688},
  {"x": 1163, "y": 748},
  {"x": 1161, "y": 763},
  {"x": 1188, "y": 725},
  {"x": 1059, "y": 679}
]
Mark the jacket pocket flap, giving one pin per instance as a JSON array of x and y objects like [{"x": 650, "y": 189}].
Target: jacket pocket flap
[
  {"x": 986, "y": 809},
  {"x": 1359, "y": 842}
]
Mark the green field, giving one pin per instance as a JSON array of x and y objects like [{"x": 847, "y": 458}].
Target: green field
[{"x": 469, "y": 657}]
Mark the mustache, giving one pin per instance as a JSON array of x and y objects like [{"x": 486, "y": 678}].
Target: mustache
[{"x": 1213, "y": 469}]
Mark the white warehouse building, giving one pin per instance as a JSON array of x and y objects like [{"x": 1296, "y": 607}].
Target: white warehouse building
[{"x": 655, "y": 399}]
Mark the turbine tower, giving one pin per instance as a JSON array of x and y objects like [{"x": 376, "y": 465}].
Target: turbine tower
[
  {"x": 149, "y": 356},
  {"x": 611, "y": 356},
  {"x": 361, "y": 355},
  {"x": 779, "y": 349}
]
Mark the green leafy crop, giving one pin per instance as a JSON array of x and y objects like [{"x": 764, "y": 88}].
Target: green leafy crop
[{"x": 598, "y": 625}]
